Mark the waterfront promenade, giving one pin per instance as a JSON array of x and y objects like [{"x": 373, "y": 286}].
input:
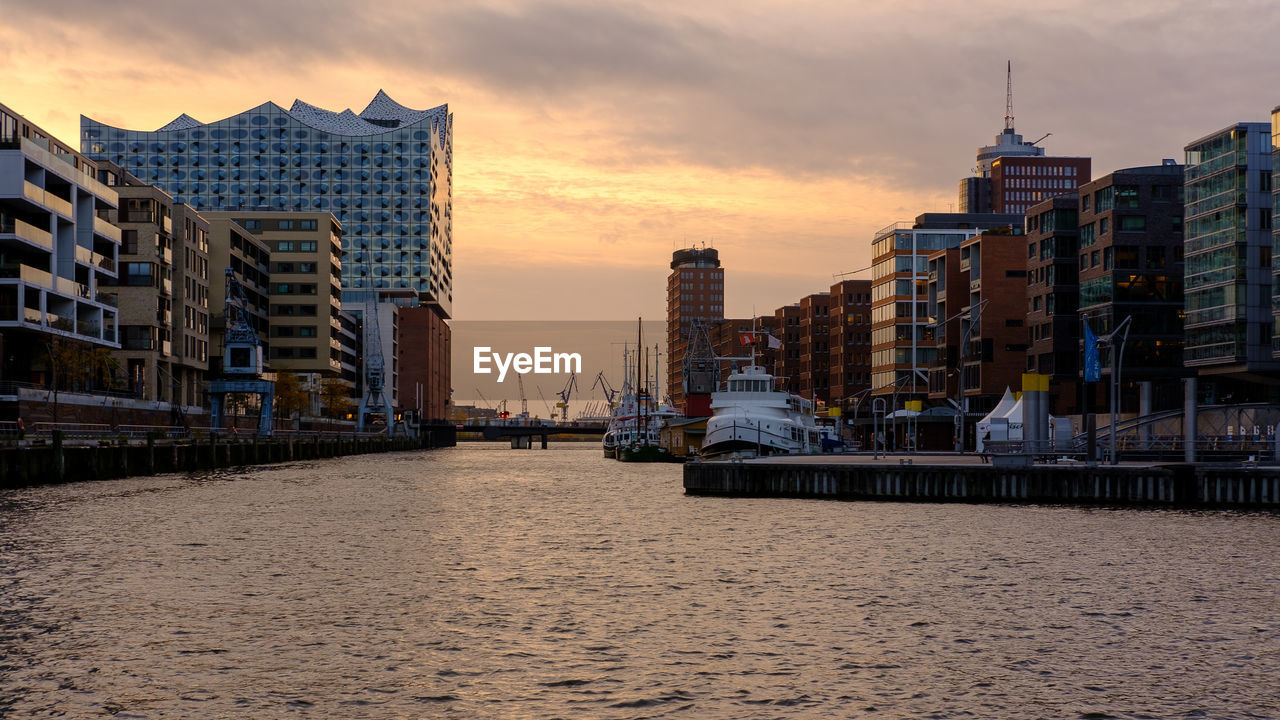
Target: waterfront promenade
[{"x": 966, "y": 478}]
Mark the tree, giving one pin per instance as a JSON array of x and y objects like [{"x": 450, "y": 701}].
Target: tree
[
  {"x": 291, "y": 397},
  {"x": 335, "y": 395}
]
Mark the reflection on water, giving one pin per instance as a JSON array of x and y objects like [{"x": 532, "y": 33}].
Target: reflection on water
[{"x": 490, "y": 583}]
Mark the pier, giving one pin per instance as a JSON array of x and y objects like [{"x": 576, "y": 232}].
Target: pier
[{"x": 967, "y": 479}]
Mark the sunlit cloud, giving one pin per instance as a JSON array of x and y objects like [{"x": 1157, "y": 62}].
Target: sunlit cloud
[{"x": 591, "y": 138}]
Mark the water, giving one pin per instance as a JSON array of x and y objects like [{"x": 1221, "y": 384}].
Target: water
[{"x": 482, "y": 582}]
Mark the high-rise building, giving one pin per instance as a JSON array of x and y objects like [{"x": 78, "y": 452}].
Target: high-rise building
[
  {"x": 815, "y": 346},
  {"x": 305, "y": 293},
  {"x": 1053, "y": 299},
  {"x": 1227, "y": 236},
  {"x": 902, "y": 345},
  {"x": 1275, "y": 235},
  {"x": 58, "y": 252},
  {"x": 249, "y": 258},
  {"x": 850, "y": 341},
  {"x": 162, "y": 293},
  {"x": 385, "y": 174},
  {"x": 695, "y": 289},
  {"x": 1131, "y": 266},
  {"x": 1012, "y": 174}
]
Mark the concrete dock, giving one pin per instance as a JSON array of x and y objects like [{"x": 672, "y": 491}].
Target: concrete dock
[{"x": 966, "y": 478}]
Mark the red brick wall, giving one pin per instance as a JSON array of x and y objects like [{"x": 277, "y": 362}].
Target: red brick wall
[{"x": 424, "y": 358}]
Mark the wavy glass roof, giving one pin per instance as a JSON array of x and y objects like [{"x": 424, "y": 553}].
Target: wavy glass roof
[
  {"x": 385, "y": 174},
  {"x": 380, "y": 115}
]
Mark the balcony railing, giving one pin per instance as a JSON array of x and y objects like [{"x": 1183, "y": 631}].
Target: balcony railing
[
  {"x": 27, "y": 274},
  {"x": 28, "y": 232},
  {"x": 106, "y": 229}
]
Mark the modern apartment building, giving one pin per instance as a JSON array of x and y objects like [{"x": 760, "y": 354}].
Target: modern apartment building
[
  {"x": 788, "y": 363},
  {"x": 249, "y": 259},
  {"x": 385, "y": 174},
  {"x": 58, "y": 251},
  {"x": 902, "y": 344},
  {"x": 695, "y": 289},
  {"x": 1228, "y": 240},
  {"x": 305, "y": 292},
  {"x": 1017, "y": 183},
  {"x": 1131, "y": 266},
  {"x": 162, "y": 291},
  {"x": 815, "y": 347},
  {"x": 1053, "y": 299},
  {"x": 1275, "y": 235},
  {"x": 849, "y": 342}
]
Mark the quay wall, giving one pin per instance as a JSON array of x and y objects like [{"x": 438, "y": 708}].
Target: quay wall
[
  {"x": 1160, "y": 485},
  {"x": 58, "y": 462}
]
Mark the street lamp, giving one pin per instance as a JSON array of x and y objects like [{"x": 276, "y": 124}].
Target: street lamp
[
  {"x": 1116, "y": 361},
  {"x": 974, "y": 313}
]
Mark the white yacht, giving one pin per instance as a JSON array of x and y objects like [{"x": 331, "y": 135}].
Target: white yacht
[{"x": 750, "y": 415}]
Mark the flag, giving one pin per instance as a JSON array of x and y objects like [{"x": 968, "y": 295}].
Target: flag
[
  {"x": 774, "y": 343},
  {"x": 1092, "y": 364},
  {"x": 746, "y": 339}
]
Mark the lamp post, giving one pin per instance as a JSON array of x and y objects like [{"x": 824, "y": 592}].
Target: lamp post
[
  {"x": 974, "y": 313},
  {"x": 1116, "y": 360}
]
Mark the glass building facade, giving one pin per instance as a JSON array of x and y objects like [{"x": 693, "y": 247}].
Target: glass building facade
[
  {"x": 1228, "y": 242},
  {"x": 385, "y": 174},
  {"x": 1275, "y": 235}
]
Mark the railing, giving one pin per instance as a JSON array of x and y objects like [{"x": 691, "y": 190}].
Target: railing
[
  {"x": 106, "y": 229},
  {"x": 28, "y": 232}
]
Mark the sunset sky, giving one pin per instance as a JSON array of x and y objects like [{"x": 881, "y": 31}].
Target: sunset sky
[{"x": 590, "y": 139}]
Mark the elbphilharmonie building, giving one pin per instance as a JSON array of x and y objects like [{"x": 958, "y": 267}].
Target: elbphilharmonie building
[{"x": 385, "y": 173}]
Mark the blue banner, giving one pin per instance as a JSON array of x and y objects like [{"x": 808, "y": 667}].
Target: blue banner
[{"x": 1092, "y": 364}]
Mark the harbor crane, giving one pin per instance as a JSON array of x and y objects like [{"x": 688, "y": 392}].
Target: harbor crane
[
  {"x": 550, "y": 413},
  {"x": 605, "y": 387},
  {"x": 375, "y": 395},
  {"x": 524, "y": 402},
  {"x": 241, "y": 360},
  {"x": 564, "y": 394}
]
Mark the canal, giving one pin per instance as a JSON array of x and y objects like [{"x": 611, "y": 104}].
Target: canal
[{"x": 485, "y": 582}]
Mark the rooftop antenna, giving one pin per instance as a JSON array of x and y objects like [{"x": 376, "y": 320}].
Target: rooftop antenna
[{"x": 1008, "y": 98}]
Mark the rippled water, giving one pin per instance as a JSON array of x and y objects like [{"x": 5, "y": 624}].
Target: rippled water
[{"x": 482, "y": 582}]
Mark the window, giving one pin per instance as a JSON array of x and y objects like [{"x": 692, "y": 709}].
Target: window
[
  {"x": 306, "y": 224},
  {"x": 284, "y": 225},
  {"x": 251, "y": 224},
  {"x": 1133, "y": 223},
  {"x": 307, "y": 246},
  {"x": 284, "y": 246},
  {"x": 1104, "y": 226}
]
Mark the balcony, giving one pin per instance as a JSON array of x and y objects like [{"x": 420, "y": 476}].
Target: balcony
[
  {"x": 32, "y": 315},
  {"x": 29, "y": 233},
  {"x": 104, "y": 263},
  {"x": 84, "y": 255},
  {"x": 71, "y": 287},
  {"x": 106, "y": 229},
  {"x": 1229, "y": 351},
  {"x": 165, "y": 254},
  {"x": 166, "y": 286},
  {"x": 47, "y": 199},
  {"x": 27, "y": 274},
  {"x": 108, "y": 298}
]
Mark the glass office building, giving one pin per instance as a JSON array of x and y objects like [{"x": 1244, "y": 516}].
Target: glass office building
[
  {"x": 1227, "y": 240},
  {"x": 385, "y": 173}
]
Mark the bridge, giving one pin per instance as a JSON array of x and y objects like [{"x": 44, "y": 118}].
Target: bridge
[{"x": 522, "y": 434}]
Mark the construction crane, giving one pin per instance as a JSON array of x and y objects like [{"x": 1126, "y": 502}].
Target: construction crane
[
  {"x": 375, "y": 395},
  {"x": 564, "y": 394},
  {"x": 605, "y": 387},
  {"x": 550, "y": 413},
  {"x": 524, "y": 402}
]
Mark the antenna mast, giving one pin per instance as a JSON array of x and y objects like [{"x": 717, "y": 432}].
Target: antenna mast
[{"x": 1008, "y": 97}]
